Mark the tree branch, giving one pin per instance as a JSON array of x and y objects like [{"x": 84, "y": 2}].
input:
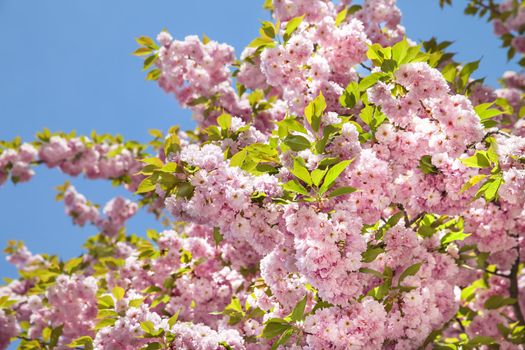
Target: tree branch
[{"x": 514, "y": 291}]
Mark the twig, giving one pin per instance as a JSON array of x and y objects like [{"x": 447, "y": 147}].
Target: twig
[{"x": 513, "y": 289}]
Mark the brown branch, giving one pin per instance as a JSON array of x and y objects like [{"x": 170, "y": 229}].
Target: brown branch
[{"x": 513, "y": 289}]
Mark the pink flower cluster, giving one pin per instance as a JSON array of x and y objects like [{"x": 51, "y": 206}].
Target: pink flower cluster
[
  {"x": 511, "y": 23},
  {"x": 337, "y": 49},
  {"x": 17, "y": 163},
  {"x": 117, "y": 211},
  {"x": 222, "y": 198},
  {"x": 106, "y": 159},
  {"x": 361, "y": 326},
  {"x": 295, "y": 218},
  {"x": 74, "y": 157}
]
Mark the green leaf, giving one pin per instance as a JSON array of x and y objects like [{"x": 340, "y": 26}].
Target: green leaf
[
  {"x": 199, "y": 100},
  {"x": 225, "y": 345},
  {"x": 185, "y": 190},
  {"x": 400, "y": 50},
  {"x": 370, "y": 80},
  {"x": 298, "y": 311},
  {"x": 147, "y": 41},
  {"x": 367, "y": 114},
  {"x": 472, "y": 182},
  {"x": 148, "y": 62},
  {"x": 152, "y": 346},
  {"x": 478, "y": 160},
  {"x": 224, "y": 121},
  {"x": 105, "y": 302},
  {"x": 171, "y": 144},
  {"x": 291, "y": 26},
  {"x": 295, "y": 186},
  {"x": 449, "y": 72},
  {"x": 426, "y": 166},
  {"x": 341, "y": 191},
  {"x": 217, "y": 236},
  {"x": 469, "y": 292},
  {"x": 106, "y": 322},
  {"x": 173, "y": 319},
  {"x": 73, "y": 264},
  {"x": 153, "y": 74},
  {"x": 153, "y": 161},
  {"x": 147, "y": 185},
  {"x": 341, "y": 16},
  {"x": 466, "y": 72},
  {"x": 490, "y": 188},
  {"x": 318, "y": 175},
  {"x": 118, "y": 292},
  {"x": 148, "y": 327},
  {"x": 376, "y": 54},
  {"x": 454, "y": 236},
  {"x": 238, "y": 158},
  {"x": 485, "y": 112},
  {"x": 314, "y": 111},
  {"x": 268, "y": 29},
  {"x": 371, "y": 254},
  {"x": 351, "y": 95},
  {"x": 481, "y": 340},
  {"x": 410, "y": 271},
  {"x": 333, "y": 174},
  {"x": 142, "y": 51},
  {"x": 274, "y": 327},
  {"x": 497, "y": 301},
  {"x": 205, "y": 39},
  {"x": 301, "y": 172},
  {"x": 288, "y": 124},
  {"x": 261, "y": 42},
  {"x": 5, "y": 302},
  {"x": 85, "y": 341},
  {"x": 283, "y": 339},
  {"x": 388, "y": 65},
  {"x": 326, "y": 162},
  {"x": 371, "y": 272},
  {"x": 136, "y": 302},
  {"x": 297, "y": 142},
  {"x": 55, "y": 335},
  {"x": 156, "y": 133}
]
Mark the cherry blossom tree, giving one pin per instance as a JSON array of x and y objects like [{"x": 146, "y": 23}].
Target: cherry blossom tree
[{"x": 345, "y": 188}]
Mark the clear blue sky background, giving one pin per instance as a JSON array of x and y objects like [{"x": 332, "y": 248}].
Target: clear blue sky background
[{"x": 67, "y": 65}]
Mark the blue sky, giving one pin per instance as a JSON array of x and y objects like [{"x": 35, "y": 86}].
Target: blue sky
[{"x": 67, "y": 65}]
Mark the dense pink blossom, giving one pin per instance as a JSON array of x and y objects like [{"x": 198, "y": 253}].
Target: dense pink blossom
[{"x": 316, "y": 205}]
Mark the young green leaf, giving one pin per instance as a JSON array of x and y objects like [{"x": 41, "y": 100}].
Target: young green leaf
[
  {"x": 118, "y": 292},
  {"x": 497, "y": 301},
  {"x": 426, "y": 166},
  {"x": 317, "y": 176},
  {"x": 314, "y": 111},
  {"x": 298, "y": 311},
  {"x": 283, "y": 339},
  {"x": 224, "y": 121},
  {"x": 301, "y": 172},
  {"x": 274, "y": 327},
  {"x": 341, "y": 16},
  {"x": 333, "y": 174},
  {"x": 238, "y": 158},
  {"x": 478, "y": 160},
  {"x": 371, "y": 254},
  {"x": 472, "y": 182},
  {"x": 410, "y": 271},
  {"x": 295, "y": 186},
  {"x": 297, "y": 142},
  {"x": 291, "y": 26},
  {"x": 453, "y": 236},
  {"x": 341, "y": 191}
]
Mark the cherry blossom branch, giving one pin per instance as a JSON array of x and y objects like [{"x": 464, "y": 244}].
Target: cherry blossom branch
[{"x": 514, "y": 289}]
